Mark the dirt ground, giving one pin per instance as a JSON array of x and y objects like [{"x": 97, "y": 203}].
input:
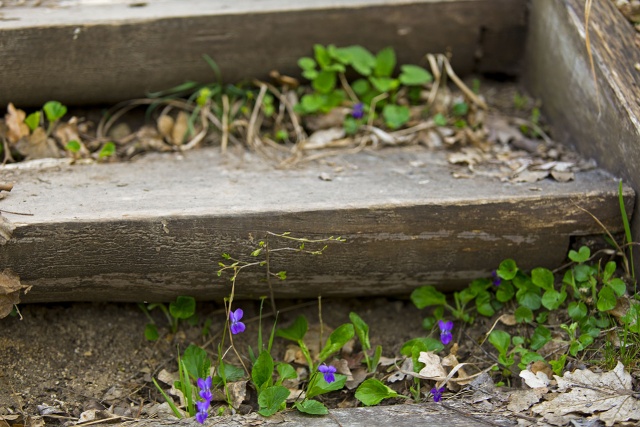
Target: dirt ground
[{"x": 63, "y": 359}]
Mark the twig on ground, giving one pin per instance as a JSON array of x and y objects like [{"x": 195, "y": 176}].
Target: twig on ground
[
  {"x": 251, "y": 129},
  {"x": 225, "y": 123}
]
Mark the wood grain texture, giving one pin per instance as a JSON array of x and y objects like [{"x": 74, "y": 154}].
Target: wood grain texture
[
  {"x": 157, "y": 229},
  {"x": 107, "y": 53},
  {"x": 395, "y": 415},
  {"x": 604, "y": 126}
]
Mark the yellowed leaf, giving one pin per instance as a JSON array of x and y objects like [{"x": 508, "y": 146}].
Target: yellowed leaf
[
  {"x": 165, "y": 125},
  {"x": 180, "y": 128}
]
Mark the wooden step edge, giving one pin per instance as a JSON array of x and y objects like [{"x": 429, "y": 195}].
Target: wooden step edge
[
  {"x": 405, "y": 226},
  {"x": 109, "y": 53}
]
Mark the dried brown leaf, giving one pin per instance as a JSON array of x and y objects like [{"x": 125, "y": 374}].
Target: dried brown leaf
[
  {"x": 10, "y": 288},
  {"x": 237, "y": 392},
  {"x": 332, "y": 119},
  {"x": 180, "y": 128},
  {"x": 38, "y": 146},
  {"x": 165, "y": 125},
  {"x": 608, "y": 396},
  {"x": 66, "y": 132},
  {"x": 15, "y": 122},
  {"x": 469, "y": 156},
  {"x": 433, "y": 366},
  {"x": 530, "y": 176},
  {"x": 521, "y": 400},
  {"x": 358, "y": 375},
  {"x": 508, "y": 319}
]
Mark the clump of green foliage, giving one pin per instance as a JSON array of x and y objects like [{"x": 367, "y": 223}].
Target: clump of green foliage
[{"x": 375, "y": 88}]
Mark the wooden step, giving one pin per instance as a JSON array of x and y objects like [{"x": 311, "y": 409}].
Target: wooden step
[
  {"x": 598, "y": 116},
  {"x": 157, "y": 228},
  {"x": 106, "y": 52}
]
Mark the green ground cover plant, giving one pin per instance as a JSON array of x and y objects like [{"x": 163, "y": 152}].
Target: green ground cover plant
[
  {"x": 378, "y": 100},
  {"x": 581, "y": 297}
]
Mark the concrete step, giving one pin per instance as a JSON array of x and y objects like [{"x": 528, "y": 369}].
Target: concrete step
[{"x": 156, "y": 228}]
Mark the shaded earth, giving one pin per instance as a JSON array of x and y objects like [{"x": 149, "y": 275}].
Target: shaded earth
[{"x": 63, "y": 359}]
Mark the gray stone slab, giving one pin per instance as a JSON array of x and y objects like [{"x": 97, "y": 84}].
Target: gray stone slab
[{"x": 156, "y": 228}]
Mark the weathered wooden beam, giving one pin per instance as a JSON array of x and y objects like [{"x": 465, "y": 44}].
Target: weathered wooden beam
[
  {"x": 396, "y": 415},
  {"x": 157, "y": 228},
  {"x": 104, "y": 53},
  {"x": 600, "y": 118}
]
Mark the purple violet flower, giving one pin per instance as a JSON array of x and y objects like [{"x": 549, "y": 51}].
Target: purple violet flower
[
  {"x": 437, "y": 393},
  {"x": 205, "y": 388},
  {"x": 496, "y": 279},
  {"x": 445, "y": 331},
  {"x": 236, "y": 325},
  {"x": 327, "y": 372},
  {"x": 203, "y": 411},
  {"x": 205, "y": 393},
  {"x": 358, "y": 111}
]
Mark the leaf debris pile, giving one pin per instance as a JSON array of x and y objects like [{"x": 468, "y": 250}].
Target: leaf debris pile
[{"x": 265, "y": 117}]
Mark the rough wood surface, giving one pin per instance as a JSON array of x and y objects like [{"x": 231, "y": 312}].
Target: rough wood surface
[
  {"x": 157, "y": 228},
  {"x": 396, "y": 415},
  {"x": 104, "y": 53},
  {"x": 604, "y": 125}
]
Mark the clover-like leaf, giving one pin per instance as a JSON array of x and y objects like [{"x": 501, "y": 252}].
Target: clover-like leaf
[
  {"x": 507, "y": 269},
  {"x": 413, "y": 75},
  {"x": 582, "y": 255},
  {"x": 325, "y": 81},
  {"x": 183, "y": 307},
  {"x": 523, "y": 314},
  {"x": 606, "y": 299},
  {"x": 54, "y": 110},
  {"x": 553, "y": 299},
  {"x": 577, "y": 310},
  {"x": 307, "y": 63},
  {"x": 543, "y": 278}
]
